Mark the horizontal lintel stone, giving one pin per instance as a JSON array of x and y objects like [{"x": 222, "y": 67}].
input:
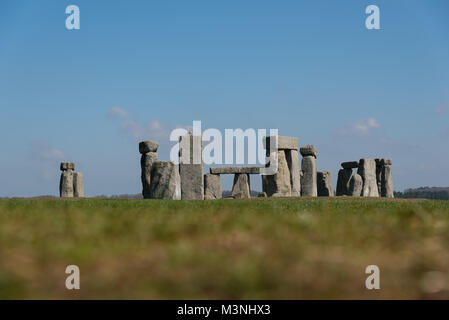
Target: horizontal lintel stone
[
  {"x": 235, "y": 170},
  {"x": 284, "y": 143}
]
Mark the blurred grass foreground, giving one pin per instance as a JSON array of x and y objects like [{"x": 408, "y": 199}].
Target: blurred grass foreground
[{"x": 289, "y": 248}]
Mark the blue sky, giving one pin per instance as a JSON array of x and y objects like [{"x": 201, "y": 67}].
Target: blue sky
[{"x": 137, "y": 69}]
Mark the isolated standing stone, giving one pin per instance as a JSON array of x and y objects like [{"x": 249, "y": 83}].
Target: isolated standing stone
[
  {"x": 367, "y": 170},
  {"x": 78, "y": 185},
  {"x": 241, "y": 187},
  {"x": 212, "y": 187},
  {"x": 344, "y": 176},
  {"x": 324, "y": 184},
  {"x": 66, "y": 181},
  {"x": 279, "y": 184},
  {"x": 355, "y": 185},
  {"x": 292, "y": 157},
  {"x": 148, "y": 149},
  {"x": 165, "y": 181},
  {"x": 191, "y": 167},
  {"x": 308, "y": 166}
]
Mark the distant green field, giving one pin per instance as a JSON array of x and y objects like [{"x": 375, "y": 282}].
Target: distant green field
[{"x": 299, "y": 248}]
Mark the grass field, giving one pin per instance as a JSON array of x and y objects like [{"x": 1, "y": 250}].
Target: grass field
[{"x": 252, "y": 249}]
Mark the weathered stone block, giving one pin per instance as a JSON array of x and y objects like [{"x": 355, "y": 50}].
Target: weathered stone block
[
  {"x": 234, "y": 170},
  {"x": 355, "y": 185},
  {"x": 292, "y": 157},
  {"x": 78, "y": 185},
  {"x": 308, "y": 180},
  {"x": 66, "y": 184},
  {"x": 67, "y": 166},
  {"x": 212, "y": 187},
  {"x": 308, "y": 150},
  {"x": 262, "y": 195},
  {"x": 191, "y": 167},
  {"x": 241, "y": 187},
  {"x": 284, "y": 143},
  {"x": 387, "y": 182},
  {"x": 165, "y": 181},
  {"x": 344, "y": 176},
  {"x": 148, "y": 146},
  {"x": 146, "y": 162},
  {"x": 350, "y": 164},
  {"x": 278, "y": 185},
  {"x": 192, "y": 181},
  {"x": 324, "y": 184},
  {"x": 367, "y": 170}
]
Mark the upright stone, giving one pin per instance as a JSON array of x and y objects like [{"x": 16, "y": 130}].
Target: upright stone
[
  {"x": 367, "y": 170},
  {"x": 386, "y": 179},
  {"x": 241, "y": 188},
  {"x": 148, "y": 149},
  {"x": 212, "y": 187},
  {"x": 279, "y": 184},
  {"x": 355, "y": 185},
  {"x": 308, "y": 166},
  {"x": 324, "y": 184},
  {"x": 165, "y": 181},
  {"x": 66, "y": 181},
  {"x": 292, "y": 157},
  {"x": 379, "y": 175},
  {"x": 78, "y": 185},
  {"x": 344, "y": 176},
  {"x": 191, "y": 167}
]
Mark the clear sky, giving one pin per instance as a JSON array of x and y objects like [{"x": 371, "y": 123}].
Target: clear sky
[{"x": 137, "y": 69}]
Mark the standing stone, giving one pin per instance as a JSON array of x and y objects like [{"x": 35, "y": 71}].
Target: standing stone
[
  {"x": 279, "y": 184},
  {"x": 148, "y": 149},
  {"x": 355, "y": 185},
  {"x": 212, "y": 187},
  {"x": 66, "y": 181},
  {"x": 165, "y": 181},
  {"x": 386, "y": 179},
  {"x": 292, "y": 157},
  {"x": 241, "y": 187},
  {"x": 367, "y": 170},
  {"x": 78, "y": 185},
  {"x": 308, "y": 166},
  {"x": 344, "y": 176},
  {"x": 191, "y": 167},
  {"x": 324, "y": 184},
  {"x": 379, "y": 175}
]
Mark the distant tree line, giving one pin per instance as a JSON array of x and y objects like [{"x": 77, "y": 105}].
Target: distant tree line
[{"x": 434, "y": 193}]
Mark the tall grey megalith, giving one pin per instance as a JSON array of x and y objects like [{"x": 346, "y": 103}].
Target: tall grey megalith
[
  {"x": 344, "y": 177},
  {"x": 308, "y": 167},
  {"x": 367, "y": 170},
  {"x": 191, "y": 167},
  {"x": 324, "y": 184},
  {"x": 384, "y": 178},
  {"x": 148, "y": 150},
  {"x": 66, "y": 180},
  {"x": 78, "y": 185}
]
